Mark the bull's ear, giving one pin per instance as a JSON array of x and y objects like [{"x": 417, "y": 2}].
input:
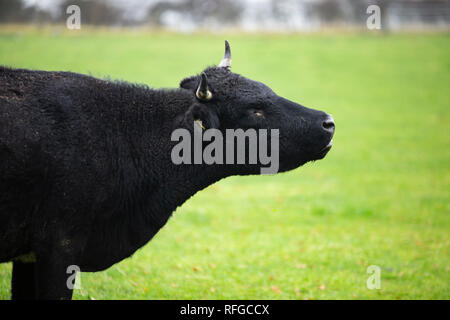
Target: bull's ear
[
  {"x": 189, "y": 83},
  {"x": 207, "y": 115}
]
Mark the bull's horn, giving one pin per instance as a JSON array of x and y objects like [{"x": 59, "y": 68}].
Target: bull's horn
[
  {"x": 203, "y": 92},
  {"x": 226, "y": 61}
]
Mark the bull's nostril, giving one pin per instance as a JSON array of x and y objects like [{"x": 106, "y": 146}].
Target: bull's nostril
[{"x": 328, "y": 124}]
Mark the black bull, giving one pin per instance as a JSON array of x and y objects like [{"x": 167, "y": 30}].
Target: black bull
[{"x": 86, "y": 176}]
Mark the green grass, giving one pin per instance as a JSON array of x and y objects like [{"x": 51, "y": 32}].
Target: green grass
[{"x": 381, "y": 196}]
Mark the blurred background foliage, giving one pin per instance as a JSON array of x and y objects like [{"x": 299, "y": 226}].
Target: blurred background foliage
[{"x": 250, "y": 15}]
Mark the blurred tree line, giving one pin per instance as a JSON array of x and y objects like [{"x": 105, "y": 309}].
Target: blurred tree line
[{"x": 281, "y": 14}]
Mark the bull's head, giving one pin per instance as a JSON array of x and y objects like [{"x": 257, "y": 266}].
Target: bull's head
[{"x": 226, "y": 100}]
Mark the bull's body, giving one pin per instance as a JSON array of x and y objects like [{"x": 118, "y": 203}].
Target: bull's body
[{"x": 81, "y": 176}]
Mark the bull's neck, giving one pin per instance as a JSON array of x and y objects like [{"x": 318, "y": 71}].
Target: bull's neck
[{"x": 161, "y": 185}]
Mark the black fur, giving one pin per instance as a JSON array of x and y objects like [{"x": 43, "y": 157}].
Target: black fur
[{"x": 86, "y": 176}]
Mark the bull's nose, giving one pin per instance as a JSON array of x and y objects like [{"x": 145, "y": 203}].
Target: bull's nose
[{"x": 328, "y": 124}]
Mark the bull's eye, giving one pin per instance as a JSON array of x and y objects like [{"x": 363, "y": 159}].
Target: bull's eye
[{"x": 258, "y": 113}]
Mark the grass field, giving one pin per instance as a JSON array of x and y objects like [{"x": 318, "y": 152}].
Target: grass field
[{"x": 381, "y": 196}]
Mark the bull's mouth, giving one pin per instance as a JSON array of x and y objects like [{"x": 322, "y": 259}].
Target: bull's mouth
[{"x": 324, "y": 151}]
